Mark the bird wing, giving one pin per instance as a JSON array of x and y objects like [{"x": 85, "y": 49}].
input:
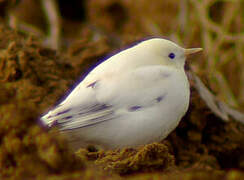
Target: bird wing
[
  {"x": 100, "y": 100},
  {"x": 84, "y": 111}
]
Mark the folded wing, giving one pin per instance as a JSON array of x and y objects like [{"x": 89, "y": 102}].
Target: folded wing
[{"x": 103, "y": 97}]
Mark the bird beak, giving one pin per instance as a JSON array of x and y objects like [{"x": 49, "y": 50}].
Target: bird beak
[{"x": 187, "y": 52}]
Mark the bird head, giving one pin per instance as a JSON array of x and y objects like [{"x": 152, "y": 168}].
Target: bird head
[{"x": 166, "y": 52}]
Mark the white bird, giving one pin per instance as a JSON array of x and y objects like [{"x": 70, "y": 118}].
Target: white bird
[{"x": 135, "y": 97}]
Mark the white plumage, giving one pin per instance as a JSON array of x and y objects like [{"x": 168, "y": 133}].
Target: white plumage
[{"x": 135, "y": 97}]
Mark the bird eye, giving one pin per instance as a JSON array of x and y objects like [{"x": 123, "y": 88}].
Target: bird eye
[{"x": 171, "y": 55}]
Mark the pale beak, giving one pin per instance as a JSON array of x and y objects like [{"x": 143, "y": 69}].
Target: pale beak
[{"x": 187, "y": 52}]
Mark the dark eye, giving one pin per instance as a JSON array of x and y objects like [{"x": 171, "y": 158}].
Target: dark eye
[{"x": 171, "y": 55}]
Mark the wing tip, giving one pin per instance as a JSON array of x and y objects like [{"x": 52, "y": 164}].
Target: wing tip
[{"x": 46, "y": 120}]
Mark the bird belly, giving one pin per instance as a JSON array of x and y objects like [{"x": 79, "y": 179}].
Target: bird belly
[{"x": 138, "y": 127}]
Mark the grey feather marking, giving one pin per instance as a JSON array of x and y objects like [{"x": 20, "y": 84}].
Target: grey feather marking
[
  {"x": 86, "y": 117},
  {"x": 62, "y": 112},
  {"x": 160, "y": 98},
  {"x": 138, "y": 107},
  {"x": 95, "y": 108},
  {"x": 90, "y": 123},
  {"x": 134, "y": 108},
  {"x": 92, "y": 85}
]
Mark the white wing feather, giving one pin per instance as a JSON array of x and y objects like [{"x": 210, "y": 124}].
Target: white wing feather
[{"x": 100, "y": 100}]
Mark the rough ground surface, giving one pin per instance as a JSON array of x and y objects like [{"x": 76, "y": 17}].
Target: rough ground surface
[{"x": 34, "y": 78}]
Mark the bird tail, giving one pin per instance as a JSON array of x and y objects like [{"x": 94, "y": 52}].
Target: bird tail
[
  {"x": 46, "y": 120},
  {"x": 52, "y": 116}
]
